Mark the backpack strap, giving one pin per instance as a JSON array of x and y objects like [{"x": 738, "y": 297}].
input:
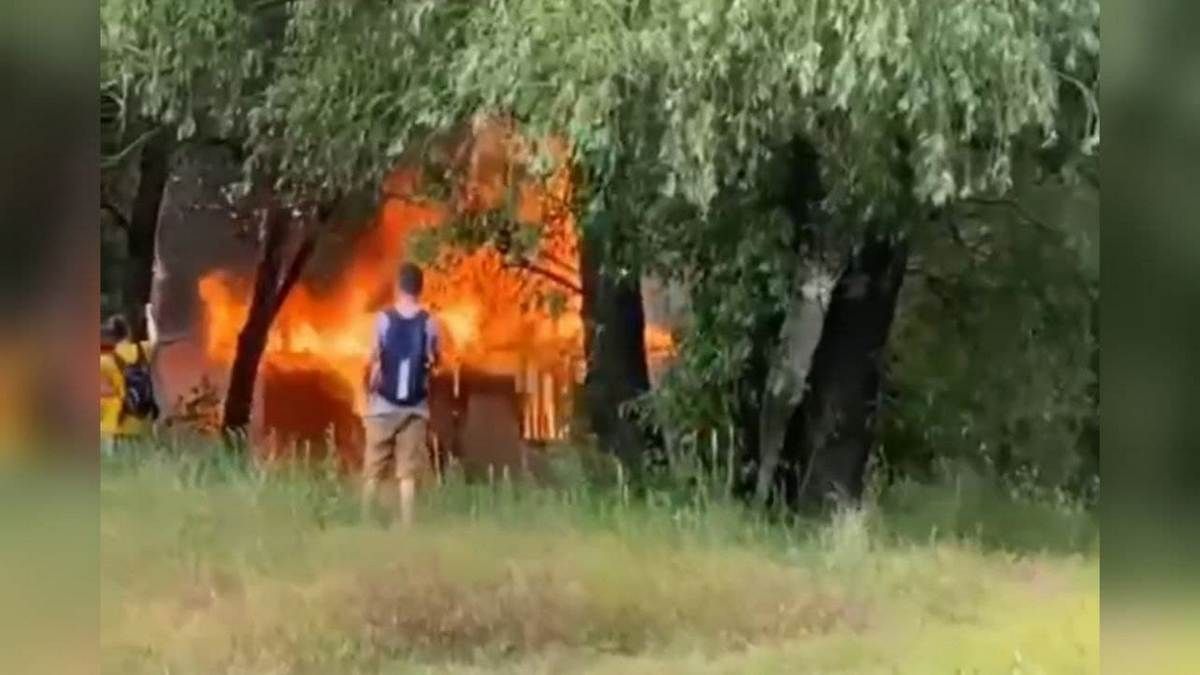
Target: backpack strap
[
  {"x": 116, "y": 357},
  {"x": 391, "y": 316}
]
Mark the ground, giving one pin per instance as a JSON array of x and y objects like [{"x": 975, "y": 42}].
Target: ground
[{"x": 211, "y": 567}]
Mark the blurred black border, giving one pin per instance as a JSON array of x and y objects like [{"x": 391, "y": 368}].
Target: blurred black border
[
  {"x": 1150, "y": 323},
  {"x": 1150, "y": 99},
  {"x": 49, "y": 311},
  {"x": 49, "y": 196}
]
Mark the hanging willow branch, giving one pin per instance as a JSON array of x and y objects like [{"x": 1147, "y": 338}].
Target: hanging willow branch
[{"x": 550, "y": 275}]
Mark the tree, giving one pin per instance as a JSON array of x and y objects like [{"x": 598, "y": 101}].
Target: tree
[
  {"x": 319, "y": 100},
  {"x": 343, "y": 115},
  {"x": 138, "y": 222},
  {"x": 202, "y": 72},
  {"x": 682, "y": 111},
  {"x": 995, "y": 352},
  {"x": 811, "y": 138},
  {"x": 170, "y": 73},
  {"x": 776, "y": 157}
]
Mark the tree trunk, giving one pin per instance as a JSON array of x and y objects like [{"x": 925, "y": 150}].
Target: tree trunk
[
  {"x": 753, "y": 402},
  {"x": 153, "y": 168},
  {"x": 785, "y": 386},
  {"x": 614, "y": 345},
  {"x": 270, "y": 290},
  {"x": 831, "y": 433},
  {"x": 767, "y": 394}
]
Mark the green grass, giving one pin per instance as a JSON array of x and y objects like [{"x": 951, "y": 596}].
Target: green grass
[{"x": 209, "y": 566}]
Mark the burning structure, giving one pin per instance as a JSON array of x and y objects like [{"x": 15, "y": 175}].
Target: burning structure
[{"x": 512, "y": 336}]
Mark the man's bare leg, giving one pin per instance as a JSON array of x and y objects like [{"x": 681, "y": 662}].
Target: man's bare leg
[
  {"x": 407, "y": 489},
  {"x": 411, "y": 457},
  {"x": 377, "y": 460},
  {"x": 370, "y": 489}
]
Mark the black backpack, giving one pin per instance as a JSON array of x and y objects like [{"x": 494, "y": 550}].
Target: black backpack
[
  {"x": 404, "y": 359},
  {"x": 139, "y": 386}
]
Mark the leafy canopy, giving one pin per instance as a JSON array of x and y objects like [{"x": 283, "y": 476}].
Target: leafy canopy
[
  {"x": 694, "y": 95},
  {"x": 676, "y": 111},
  {"x": 678, "y": 100},
  {"x": 182, "y": 65}
]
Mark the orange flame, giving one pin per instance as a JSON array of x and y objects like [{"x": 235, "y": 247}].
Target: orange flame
[{"x": 483, "y": 306}]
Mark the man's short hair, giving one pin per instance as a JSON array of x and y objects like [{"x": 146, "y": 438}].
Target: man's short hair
[
  {"x": 117, "y": 328},
  {"x": 410, "y": 279}
]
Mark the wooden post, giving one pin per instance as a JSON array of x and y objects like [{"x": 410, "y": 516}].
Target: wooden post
[
  {"x": 548, "y": 392},
  {"x": 435, "y": 444},
  {"x": 533, "y": 430}
]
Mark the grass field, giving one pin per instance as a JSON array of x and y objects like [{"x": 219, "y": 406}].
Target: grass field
[{"x": 210, "y": 567}]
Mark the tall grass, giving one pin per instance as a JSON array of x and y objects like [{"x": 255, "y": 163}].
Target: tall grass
[{"x": 211, "y": 563}]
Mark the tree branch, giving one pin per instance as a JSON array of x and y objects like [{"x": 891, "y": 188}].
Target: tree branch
[
  {"x": 263, "y": 5},
  {"x": 121, "y": 220},
  {"x": 119, "y": 157},
  {"x": 554, "y": 260},
  {"x": 295, "y": 268},
  {"x": 272, "y": 232},
  {"x": 975, "y": 250},
  {"x": 939, "y": 286},
  {"x": 547, "y": 274},
  {"x": 943, "y": 289},
  {"x": 1016, "y": 208},
  {"x": 323, "y": 211}
]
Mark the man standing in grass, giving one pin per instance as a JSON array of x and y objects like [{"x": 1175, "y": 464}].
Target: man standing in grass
[{"x": 397, "y": 415}]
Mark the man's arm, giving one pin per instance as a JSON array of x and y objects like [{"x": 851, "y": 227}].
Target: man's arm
[
  {"x": 371, "y": 372},
  {"x": 151, "y": 327},
  {"x": 155, "y": 337},
  {"x": 435, "y": 344}
]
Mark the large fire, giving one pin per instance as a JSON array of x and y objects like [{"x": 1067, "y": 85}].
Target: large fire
[{"x": 493, "y": 315}]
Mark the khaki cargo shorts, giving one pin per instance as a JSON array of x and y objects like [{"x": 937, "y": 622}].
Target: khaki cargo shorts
[{"x": 395, "y": 441}]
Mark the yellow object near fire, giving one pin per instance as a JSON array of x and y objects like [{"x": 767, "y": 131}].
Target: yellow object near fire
[{"x": 112, "y": 392}]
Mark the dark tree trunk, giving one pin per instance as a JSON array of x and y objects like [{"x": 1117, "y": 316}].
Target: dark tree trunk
[
  {"x": 614, "y": 345},
  {"x": 831, "y": 433},
  {"x": 142, "y": 229},
  {"x": 272, "y": 283},
  {"x": 752, "y": 397},
  {"x": 760, "y": 411},
  {"x": 785, "y": 386}
]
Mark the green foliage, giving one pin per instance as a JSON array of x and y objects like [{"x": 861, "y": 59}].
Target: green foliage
[
  {"x": 112, "y": 261},
  {"x": 677, "y": 99},
  {"x": 676, "y": 113},
  {"x": 357, "y": 85},
  {"x": 996, "y": 350},
  {"x": 186, "y": 66},
  {"x": 671, "y": 101},
  {"x": 671, "y": 106},
  {"x": 702, "y": 90},
  {"x": 738, "y": 270}
]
